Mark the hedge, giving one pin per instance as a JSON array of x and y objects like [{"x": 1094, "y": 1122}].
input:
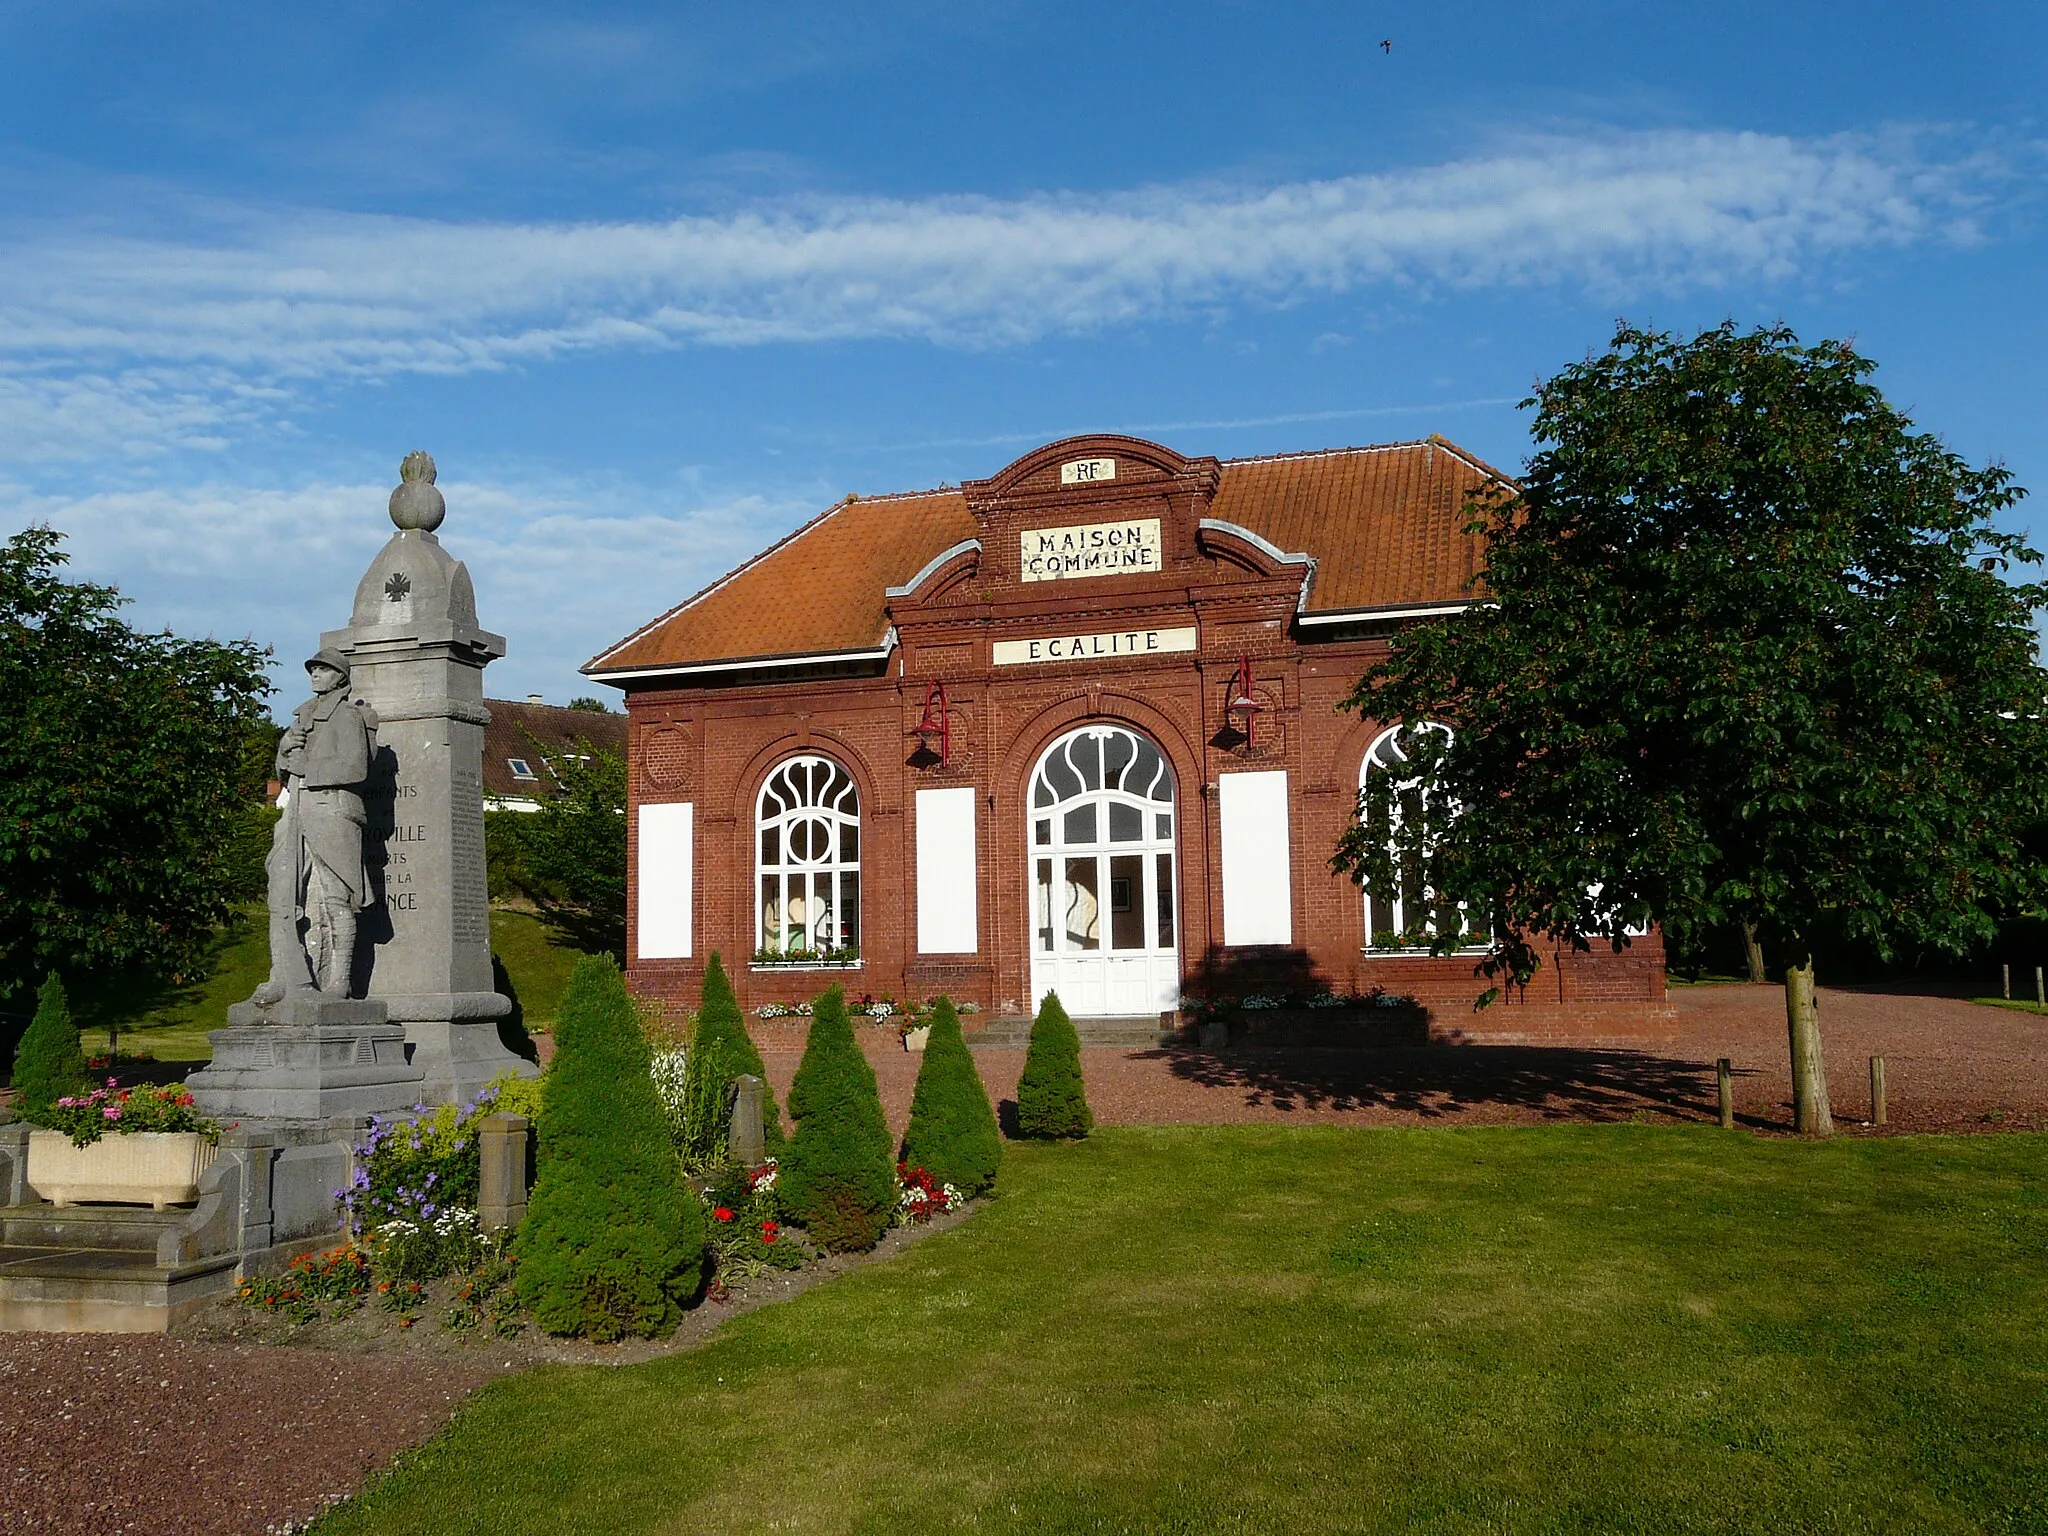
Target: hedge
[
  {"x": 953, "y": 1134},
  {"x": 1051, "y": 1102},
  {"x": 611, "y": 1244},
  {"x": 838, "y": 1179}
]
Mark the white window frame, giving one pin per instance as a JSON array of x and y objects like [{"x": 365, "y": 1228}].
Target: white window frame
[
  {"x": 1387, "y": 755},
  {"x": 820, "y": 791}
]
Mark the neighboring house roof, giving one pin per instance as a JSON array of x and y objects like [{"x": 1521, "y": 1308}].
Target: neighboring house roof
[
  {"x": 559, "y": 730},
  {"x": 1385, "y": 525}
]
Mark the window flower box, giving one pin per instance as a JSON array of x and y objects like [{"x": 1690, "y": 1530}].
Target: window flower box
[{"x": 153, "y": 1168}]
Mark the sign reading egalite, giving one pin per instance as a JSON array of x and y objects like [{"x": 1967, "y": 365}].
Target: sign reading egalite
[
  {"x": 1092, "y": 549},
  {"x": 1122, "y": 642}
]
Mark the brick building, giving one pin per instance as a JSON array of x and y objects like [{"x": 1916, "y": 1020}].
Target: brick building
[{"x": 1073, "y": 726}]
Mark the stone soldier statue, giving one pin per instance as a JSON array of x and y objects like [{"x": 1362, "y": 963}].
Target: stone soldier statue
[{"x": 317, "y": 882}]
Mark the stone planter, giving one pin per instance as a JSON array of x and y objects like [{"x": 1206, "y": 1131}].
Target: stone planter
[
  {"x": 153, "y": 1168},
  {"x": 915, "y": 1039}
]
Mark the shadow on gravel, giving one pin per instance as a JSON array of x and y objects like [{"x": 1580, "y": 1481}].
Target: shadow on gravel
[{"x": 1443, "y": 1082}]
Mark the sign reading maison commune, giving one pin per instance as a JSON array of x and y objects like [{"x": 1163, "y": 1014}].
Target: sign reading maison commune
[
  {"x": 1122, "y": 642},
  {"x": 1092, "y": 549}
]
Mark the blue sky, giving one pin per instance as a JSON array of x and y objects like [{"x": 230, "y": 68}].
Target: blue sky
[{"x": 655, "y": 283}]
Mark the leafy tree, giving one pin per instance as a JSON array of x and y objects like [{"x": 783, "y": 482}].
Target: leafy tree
[
  {"x": 50, "y": 1063},
  {"x": 837, "y": 1177},
  {"x": 721, "y": 1051},
  {"x": 127, "y": 809},
  {"x": 1052, "y": 1103},
  {"x": 1749, "y": 660},
  {"x": 611, "y": 1244},
  {"x": 575, "y": 844},
  {"x": 953, "y": 1134},
  {"x": 591, "y": 706}
]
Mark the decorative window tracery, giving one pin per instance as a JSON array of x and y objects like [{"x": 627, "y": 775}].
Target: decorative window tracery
[
  {"x": 807, "y": 872},
  {"x": 1409, "y": 916},
  {"x": 1102, "y": 838}
]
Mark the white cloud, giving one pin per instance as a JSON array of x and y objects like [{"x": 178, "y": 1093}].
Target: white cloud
[
  {"x": 179, "y": 339},
  {"x": 561, "y": 573}
]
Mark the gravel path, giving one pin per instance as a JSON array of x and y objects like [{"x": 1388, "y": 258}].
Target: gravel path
[
  {"x": 260, "y": 1435},
  {"x": 106, "y": 1433},
  {"x": 1950, "y": 1065}
]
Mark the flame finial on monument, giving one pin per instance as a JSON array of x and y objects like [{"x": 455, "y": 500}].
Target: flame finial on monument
[{"x": 417, "y": 503}]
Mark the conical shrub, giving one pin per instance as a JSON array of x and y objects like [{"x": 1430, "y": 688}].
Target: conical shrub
[
  {"x": 49, "y": 1064},
  {"x": 837, "y": 1177},
  {"x": 953, "y": 1134},
  {"x": 611, "y": 1244},
  {"x": 722, "y": 1051},
  {"x": 1051, "y": 1103}
]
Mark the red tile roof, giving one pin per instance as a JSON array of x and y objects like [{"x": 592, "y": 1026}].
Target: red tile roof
[
  {"x": 558, "y": 730},
  {"x": 1385, "y": 525}
]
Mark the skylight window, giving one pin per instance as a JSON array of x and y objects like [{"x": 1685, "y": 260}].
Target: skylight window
[{"x": 520, "y": 770}]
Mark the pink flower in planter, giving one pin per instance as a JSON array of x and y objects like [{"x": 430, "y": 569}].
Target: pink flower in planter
[{"x": 112, "y": 1112}]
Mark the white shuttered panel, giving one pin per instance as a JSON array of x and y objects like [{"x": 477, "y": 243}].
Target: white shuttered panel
[
  {"x": 667, "y": 873},
  {"x": 1258, "y": 886},
  {"x": 946, "y": 893}
]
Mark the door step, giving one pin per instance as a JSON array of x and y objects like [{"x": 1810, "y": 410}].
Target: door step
[{"x": 1138, "y": 1032}]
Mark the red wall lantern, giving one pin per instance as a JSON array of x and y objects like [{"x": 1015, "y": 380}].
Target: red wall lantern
[
  {"x": 934, "y": 731},
  {"x": 1241, "y": 713}
]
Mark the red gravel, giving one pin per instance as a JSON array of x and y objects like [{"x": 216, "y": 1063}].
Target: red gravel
[
  {"x": 1951, "y": 1065},
  {"x": 107, "y": 1433}
]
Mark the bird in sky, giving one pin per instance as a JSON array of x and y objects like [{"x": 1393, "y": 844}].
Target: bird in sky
[{"x": 1386, "y": 45}]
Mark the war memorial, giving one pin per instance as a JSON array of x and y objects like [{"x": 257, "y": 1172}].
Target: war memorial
[{"x": 379, "y": 996}]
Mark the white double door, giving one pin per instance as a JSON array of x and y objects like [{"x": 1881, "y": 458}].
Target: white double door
[{"x": 1103, "y": 876}]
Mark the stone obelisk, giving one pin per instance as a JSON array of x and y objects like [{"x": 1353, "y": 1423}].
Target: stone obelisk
[{"x": 417, "y": 656}]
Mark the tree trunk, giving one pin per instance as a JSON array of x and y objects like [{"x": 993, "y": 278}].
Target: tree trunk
[
  {"x": 1754, "y": 953},
  {"x": 1810, "y": 1113}
]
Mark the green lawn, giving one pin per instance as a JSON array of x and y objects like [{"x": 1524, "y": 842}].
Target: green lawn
[
  {"x": 2018, "y": 1004},
  {"x": 172, "y": 1022},
  {"x": 539, "y": 960},
  {"x": 1259, "y": 1328}
]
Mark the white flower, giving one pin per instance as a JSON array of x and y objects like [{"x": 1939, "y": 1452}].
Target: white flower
[{"x": 666, "y": 1068}]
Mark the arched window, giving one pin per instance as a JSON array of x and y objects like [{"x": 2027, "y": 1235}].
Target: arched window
[
  {"x": 807, "y": 824},
  {"x": 1408, "y": 916}
]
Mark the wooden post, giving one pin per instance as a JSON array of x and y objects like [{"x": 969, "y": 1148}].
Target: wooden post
[
  {"x": 2005, "y": 975},
  {"x": 2040, "y": 993},
  {"x": 1877, "y": 1110},
  {"x": 1811, "y": 1113},
  {"x": 1724, "y": 1077}
]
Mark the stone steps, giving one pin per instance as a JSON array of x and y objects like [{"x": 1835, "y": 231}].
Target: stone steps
[
  {"x": 93, "y": 1269},
  {"x": 1138, "y": 1032},
  {"x": 117, "y": 1228}
]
